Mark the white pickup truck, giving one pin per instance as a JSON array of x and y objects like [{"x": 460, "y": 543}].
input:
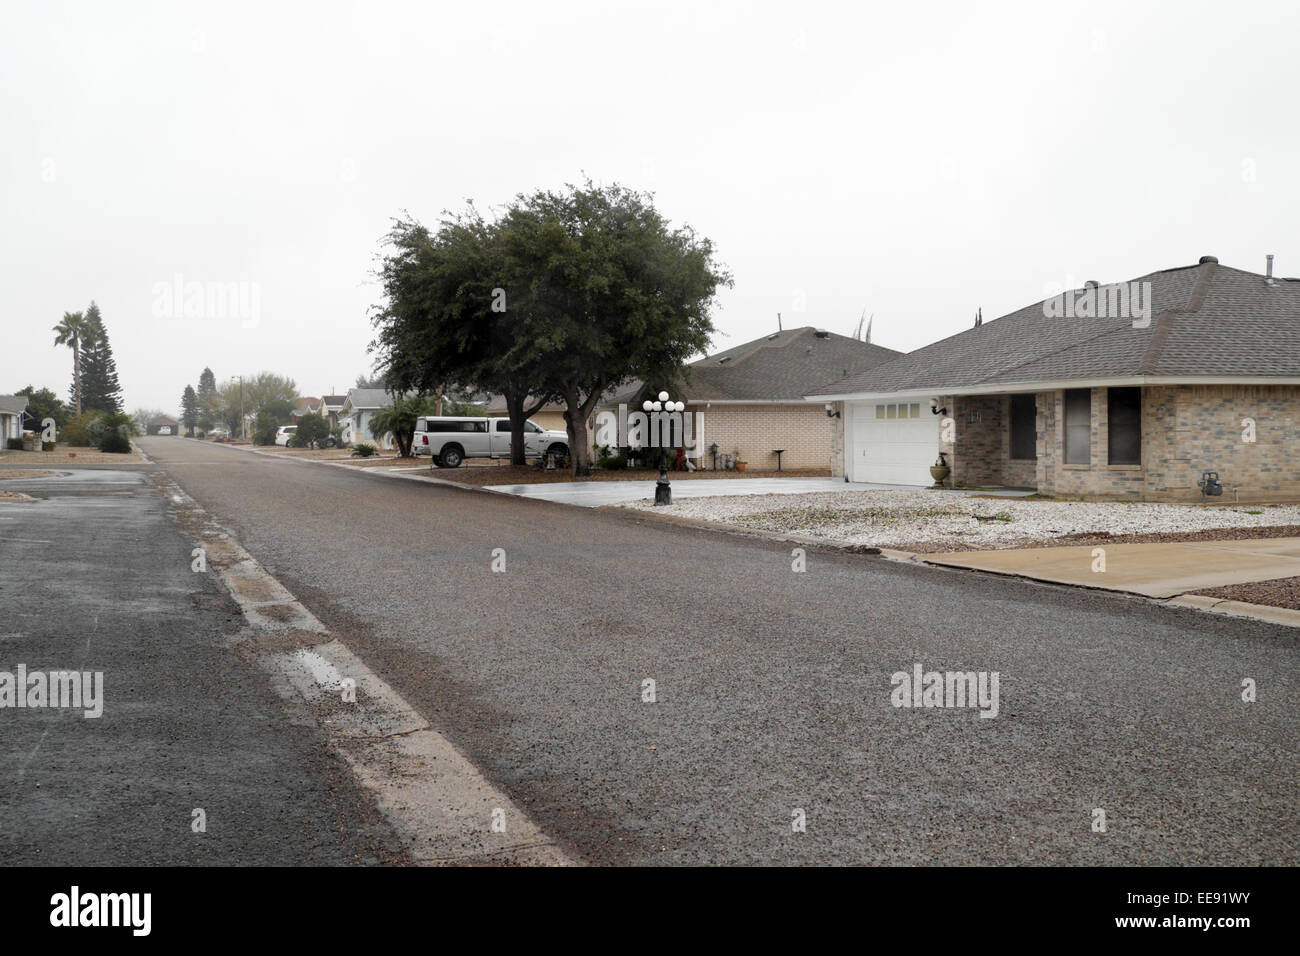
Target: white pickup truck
[{"x": 450, "y": 440}]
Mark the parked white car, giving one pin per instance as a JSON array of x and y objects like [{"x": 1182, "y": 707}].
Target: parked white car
[
  {"x": 164, "y": 430},
  {"x": 284, "y": 433},
  {"x": 450, "y": 440}
]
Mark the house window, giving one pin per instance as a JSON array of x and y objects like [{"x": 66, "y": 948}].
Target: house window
[
  {"x": 891, "y": 411},
  {"x": 1078, "y": 426},
  {"x": 1024, "y": 428},
  {"x": 1124, "y": 431},
  {"x": 880, "y": 411},
  {"x": 915, "y": 410}
]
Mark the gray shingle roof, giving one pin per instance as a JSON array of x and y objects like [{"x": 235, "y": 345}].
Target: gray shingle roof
[
  {"x": 1206, "y": 320},
  {"x": 781, "y": 366},
  {"x": 13, "y": 404}
]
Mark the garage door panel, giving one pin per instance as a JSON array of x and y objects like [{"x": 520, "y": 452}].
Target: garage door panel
[{"x": 893, "y": 451}]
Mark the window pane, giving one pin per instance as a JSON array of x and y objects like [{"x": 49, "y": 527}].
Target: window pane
[
  {"x": 1078, "y": 426},
  {"x": 1124, "y": 428},
  {"x": 503, "y": 425},
  {"x": 891, "y": 411},
  {"x": 880, "y": 411},
  {"x": 1024, "y": 427},
  {"x": 915, "y": 409}
]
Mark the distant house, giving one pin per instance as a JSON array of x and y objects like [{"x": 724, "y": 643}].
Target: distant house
[
  {"x": 359, "y": 407},
  {"x": 12, "y": 410},
  {"x": 307, "y": 405},
  {"x": 162, "y": 421},
  {"x": 551, "y": 415},
  {"x": 330, "y": 406},
  {"x": 750, "y": 398},
  {"x": 1200, "y": 373}
]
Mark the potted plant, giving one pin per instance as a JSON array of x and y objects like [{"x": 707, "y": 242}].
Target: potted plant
[
  {"x": 740, "y": 462},
  {"x": 940, "y": 471}
]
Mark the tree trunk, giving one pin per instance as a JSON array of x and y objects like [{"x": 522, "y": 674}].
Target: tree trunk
[
  {"x": 515, "y": 409},
  {"x": 76, "y": 371},
  {"x": 576, "y": 413}
]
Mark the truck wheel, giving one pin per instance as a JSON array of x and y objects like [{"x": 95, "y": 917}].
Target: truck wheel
[{"x": 451, "y": 456}]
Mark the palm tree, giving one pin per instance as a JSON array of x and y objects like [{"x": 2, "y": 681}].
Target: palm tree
[{"x": 72, "y": 332}]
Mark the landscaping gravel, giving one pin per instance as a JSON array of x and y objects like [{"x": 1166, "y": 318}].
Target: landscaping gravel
[{"x": 935, "y": 521}]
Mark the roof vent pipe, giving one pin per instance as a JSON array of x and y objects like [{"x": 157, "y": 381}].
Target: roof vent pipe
[
  {"x": 1092, "y": 284},
  {"x": 1268, "y": 271}
]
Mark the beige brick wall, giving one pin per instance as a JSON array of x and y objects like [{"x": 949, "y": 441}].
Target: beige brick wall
[
  {"x": 1186, "y": 430},
  {"x": 802, "y": 429}
]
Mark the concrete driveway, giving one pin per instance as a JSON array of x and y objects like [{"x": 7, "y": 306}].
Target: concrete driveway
[
  {"x": 593, "y": 494},
  {"x": 1160, "y": 570}
]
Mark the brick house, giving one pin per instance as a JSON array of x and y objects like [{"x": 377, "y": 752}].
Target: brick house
[
  {"x": 1122, "y": 406},
  {"x": 750, "y": 397}
]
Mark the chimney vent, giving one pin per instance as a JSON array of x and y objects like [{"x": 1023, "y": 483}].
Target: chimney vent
[
  {"x": 1092, "y": 284},
  {"x": 1268, "y": 272},
  {"x": 823, "y": 334},
  {"x": 1205, "y": 259}
]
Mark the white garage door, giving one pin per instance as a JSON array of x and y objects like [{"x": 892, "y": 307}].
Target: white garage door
[{"x": 894, "y": 443}]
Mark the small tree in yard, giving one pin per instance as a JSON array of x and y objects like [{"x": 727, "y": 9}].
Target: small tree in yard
[
  {"x": 312, "y": 430},
  {"x": 189, "y": 409},
  {"x": 399, "y": 418}
]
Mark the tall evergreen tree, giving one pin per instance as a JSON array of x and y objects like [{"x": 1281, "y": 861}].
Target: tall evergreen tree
[
  {"x": 189, "y": 409},
  {"x": 208, "y": 398},
  {"x": 99, "y": 386}
]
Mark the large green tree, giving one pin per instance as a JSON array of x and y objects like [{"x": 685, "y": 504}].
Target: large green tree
[
  {"x": 71, "y": 331},
  {"x": 42, "y": 404},
  {"x": 446, "y": 324},
  {"x": 99, "y": 386},
  {"x": 609, "y": 292}
]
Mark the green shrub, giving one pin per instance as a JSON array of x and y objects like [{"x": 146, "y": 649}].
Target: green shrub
[
  {"x": 115, "y": 442},
  {"x": 47, "y": 446},
  {"x": 264, "y": 428},
  {"x": 78, "y": 430},
  {"x": 14, "y": 444},
  {"x": 364, "y": 450},
  {"x": 312, "y": 432}
]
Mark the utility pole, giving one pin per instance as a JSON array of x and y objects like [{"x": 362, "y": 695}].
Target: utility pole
[{"x": 243, "y": 427}]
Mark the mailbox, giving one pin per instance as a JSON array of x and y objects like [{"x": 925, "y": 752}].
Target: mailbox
[{"x": 1210, "y": 484}]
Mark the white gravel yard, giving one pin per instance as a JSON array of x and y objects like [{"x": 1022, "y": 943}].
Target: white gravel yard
[{"x": 935, "y": 521}]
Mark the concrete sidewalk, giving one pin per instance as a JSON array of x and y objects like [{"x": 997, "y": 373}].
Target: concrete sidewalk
[{"x": 1159, "y": 570}]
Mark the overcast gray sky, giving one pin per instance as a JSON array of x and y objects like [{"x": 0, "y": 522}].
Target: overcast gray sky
[{"x": 917, "y": 161}]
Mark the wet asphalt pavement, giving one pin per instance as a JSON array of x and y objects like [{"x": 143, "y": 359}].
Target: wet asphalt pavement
[
  {"x": 772, "y": 687},
  {"x": 94, "y": 577}
]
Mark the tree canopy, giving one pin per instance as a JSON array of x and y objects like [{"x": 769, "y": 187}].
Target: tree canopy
[{"x": 561, "y": 296}]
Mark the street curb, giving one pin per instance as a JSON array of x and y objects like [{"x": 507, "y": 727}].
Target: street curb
[
  {"x": 442, "y": 807},
  {"x": 1256, "y": 612}
]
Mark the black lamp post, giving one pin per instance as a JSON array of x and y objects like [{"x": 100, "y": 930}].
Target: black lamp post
[{"x": 663, "y": 488}]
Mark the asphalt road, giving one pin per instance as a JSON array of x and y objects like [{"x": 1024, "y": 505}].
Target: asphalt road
[
  {"x": 773, "y": 687},
  {"x": 95, "y": 578}
]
